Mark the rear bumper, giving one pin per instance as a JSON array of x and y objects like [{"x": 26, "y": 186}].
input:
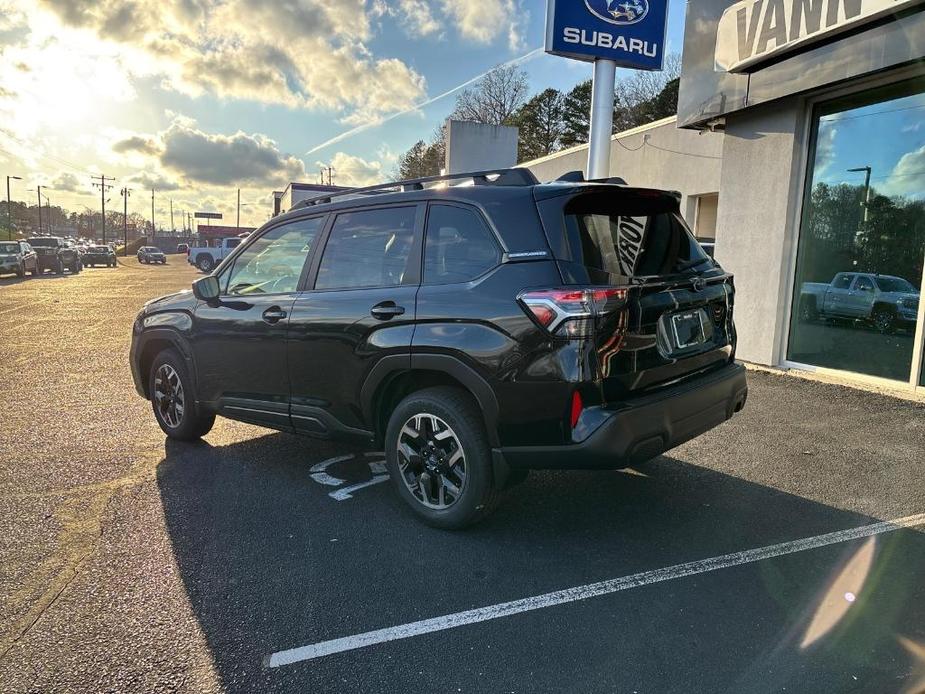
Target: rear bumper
[{"x": 644, "y": 427}]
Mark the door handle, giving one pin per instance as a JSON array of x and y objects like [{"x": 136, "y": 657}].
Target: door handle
[
  {"x": 386, "y": 310},
  {"x": 274, "y": 314}
]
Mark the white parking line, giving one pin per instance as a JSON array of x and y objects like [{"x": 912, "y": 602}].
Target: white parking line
[{"x": 559, "y": 597}]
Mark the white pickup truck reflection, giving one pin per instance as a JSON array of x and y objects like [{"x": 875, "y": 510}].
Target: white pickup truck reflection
[{"x": 885, "y": 301}]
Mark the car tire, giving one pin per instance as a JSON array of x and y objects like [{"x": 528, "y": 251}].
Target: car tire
[
  {"x": 884, "y": 320},
  {"x": 21, "y": 270},
  {"x": 59, "y": 268},
  {"x": 35, "y": 270},
  {"x": 425, "y": 474},
  {"x": 205, "y": 263},
  {"x": 169, "y": 385}
]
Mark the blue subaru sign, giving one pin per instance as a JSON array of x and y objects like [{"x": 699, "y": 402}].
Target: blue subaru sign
[{"x": 629, "y": 32}]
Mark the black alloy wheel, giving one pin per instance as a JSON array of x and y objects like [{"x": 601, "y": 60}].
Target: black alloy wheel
[{"x": 439, "y": 459}]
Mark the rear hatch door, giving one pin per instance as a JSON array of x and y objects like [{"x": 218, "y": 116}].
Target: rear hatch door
[{"x": 677, "y": 317}]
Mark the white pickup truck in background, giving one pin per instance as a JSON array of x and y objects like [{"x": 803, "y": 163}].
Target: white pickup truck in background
[
  {"x": 885, "y": 301},
  {"x": 207, "y": 257}
]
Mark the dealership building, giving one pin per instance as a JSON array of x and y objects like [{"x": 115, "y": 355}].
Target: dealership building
[{"x": 799, "y": 146}]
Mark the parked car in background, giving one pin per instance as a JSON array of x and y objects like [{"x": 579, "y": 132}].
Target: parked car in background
[
  {"x": 206, "y": 258},
  {"x": 182, "y": 248},
  {"x": 885, "y": 301},
  {"x": 99, "y": 255},
  {"x": 473, "y": 332},
  {"x": 18, "y": 257},
  {"x": 151, "y": 254},
  {"x": 55, "y": 254}
]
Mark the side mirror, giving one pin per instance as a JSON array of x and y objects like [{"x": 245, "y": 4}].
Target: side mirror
[{"x": 206, "y": 288}]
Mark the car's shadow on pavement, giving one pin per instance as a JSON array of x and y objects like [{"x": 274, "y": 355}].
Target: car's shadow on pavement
[{"x": 271, "y": 561}]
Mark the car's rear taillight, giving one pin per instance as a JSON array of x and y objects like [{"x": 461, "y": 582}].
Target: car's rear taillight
[
  {"x": 577, "y": 407},
  {"x": 571, "y": 311}
]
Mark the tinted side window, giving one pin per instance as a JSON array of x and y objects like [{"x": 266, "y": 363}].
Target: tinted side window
[
  {"x": 273, "y": 263},
  {"x": 842, "y": 281},
  {"x": 459, "y": 247},
  {"x": 367, "y": 249},
  {"x": 864, "y": 284}
]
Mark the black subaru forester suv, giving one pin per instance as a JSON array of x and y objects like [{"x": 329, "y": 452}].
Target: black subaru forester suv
[{"x": 473, "y": 326}]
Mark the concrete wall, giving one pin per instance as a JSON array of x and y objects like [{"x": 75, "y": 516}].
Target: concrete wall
[
  {"x": 755, "y": 236},
  {"x": 477, "y": 147},
  {"x": 658, "y": 155}
]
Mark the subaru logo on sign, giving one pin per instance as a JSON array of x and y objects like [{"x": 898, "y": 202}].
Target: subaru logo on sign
[
  {"x": 630, "y": 33},
  {"x": 619, "y": 12}
]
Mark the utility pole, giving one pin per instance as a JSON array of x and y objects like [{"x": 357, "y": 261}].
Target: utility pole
[
  {"x": 103, "y": 186},
  {"x": 238, "y": 227},
  {"x": 39, "y": 190},
  {"x": 9, "y": 208},
  {"x": 153, "y": 228},
  {"x": 47, "y": 211},
  {"x": 125, "y": 195},
  {"x": 172, "y": 228}
]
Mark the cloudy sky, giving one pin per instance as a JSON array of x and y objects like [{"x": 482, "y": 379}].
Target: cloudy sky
[
  {"x": 199, "y": 97},
  {"x": 888, "y": 136}
]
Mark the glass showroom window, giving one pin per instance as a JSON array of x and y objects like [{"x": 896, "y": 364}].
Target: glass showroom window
[{"x": 862, "y": 237}]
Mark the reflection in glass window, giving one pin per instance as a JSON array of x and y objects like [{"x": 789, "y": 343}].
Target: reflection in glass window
[
  {"x": 862, "y": 237},
  {"x": 274, "y": 262},
  {"x": 459, "y": 246},
  {"x": 367, "y": 249}
]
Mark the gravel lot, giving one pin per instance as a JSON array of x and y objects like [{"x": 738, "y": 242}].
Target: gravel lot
[{"x": 133, "y": 564}]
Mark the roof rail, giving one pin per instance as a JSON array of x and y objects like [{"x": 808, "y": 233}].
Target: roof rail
[{"x": 516, "y": 176}]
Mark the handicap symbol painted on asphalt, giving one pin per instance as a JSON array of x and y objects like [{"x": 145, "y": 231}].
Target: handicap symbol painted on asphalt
[{"x": 319, "y": 474}]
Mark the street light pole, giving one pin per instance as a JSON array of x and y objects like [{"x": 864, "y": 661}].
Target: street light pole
[
  {"x": 153, "y": 230},
  {"x": 9, "y": 208},
  {"x": 238, "y": 227},
  {"x": 866, "y": 203}
]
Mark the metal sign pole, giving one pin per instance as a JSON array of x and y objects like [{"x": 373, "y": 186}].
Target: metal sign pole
[{"x": 602, "y": 92}]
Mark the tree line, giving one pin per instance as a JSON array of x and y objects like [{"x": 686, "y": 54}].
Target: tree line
[
  {"x": 54, "y": 218},
  {"x": 549, "y": 121}
]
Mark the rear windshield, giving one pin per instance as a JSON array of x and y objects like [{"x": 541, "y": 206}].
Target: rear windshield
[
  {"x": 9, "y": 248},
  {"x": 100, "y": 249},
  {"x": 619, "y": 236},
  {"x": 44, "y": 242}
]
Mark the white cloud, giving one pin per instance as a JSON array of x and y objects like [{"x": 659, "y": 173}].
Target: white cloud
[
  {"x": 300, "y": 53},
  {"x": 484, "y": 20},
  {"x": 907, "y": 177},
  {"x": 216, "y": 159},
  {"x": 69, "y": 183},
  {"x": 350, "y": 170},
  {"x": 417, "y": 18}
]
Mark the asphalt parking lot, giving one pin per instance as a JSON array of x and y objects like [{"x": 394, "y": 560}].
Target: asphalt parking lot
[{"x": 133, "y": 564}]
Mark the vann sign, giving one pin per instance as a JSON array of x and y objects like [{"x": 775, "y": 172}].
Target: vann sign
[{"x": 751, "y": 31}]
